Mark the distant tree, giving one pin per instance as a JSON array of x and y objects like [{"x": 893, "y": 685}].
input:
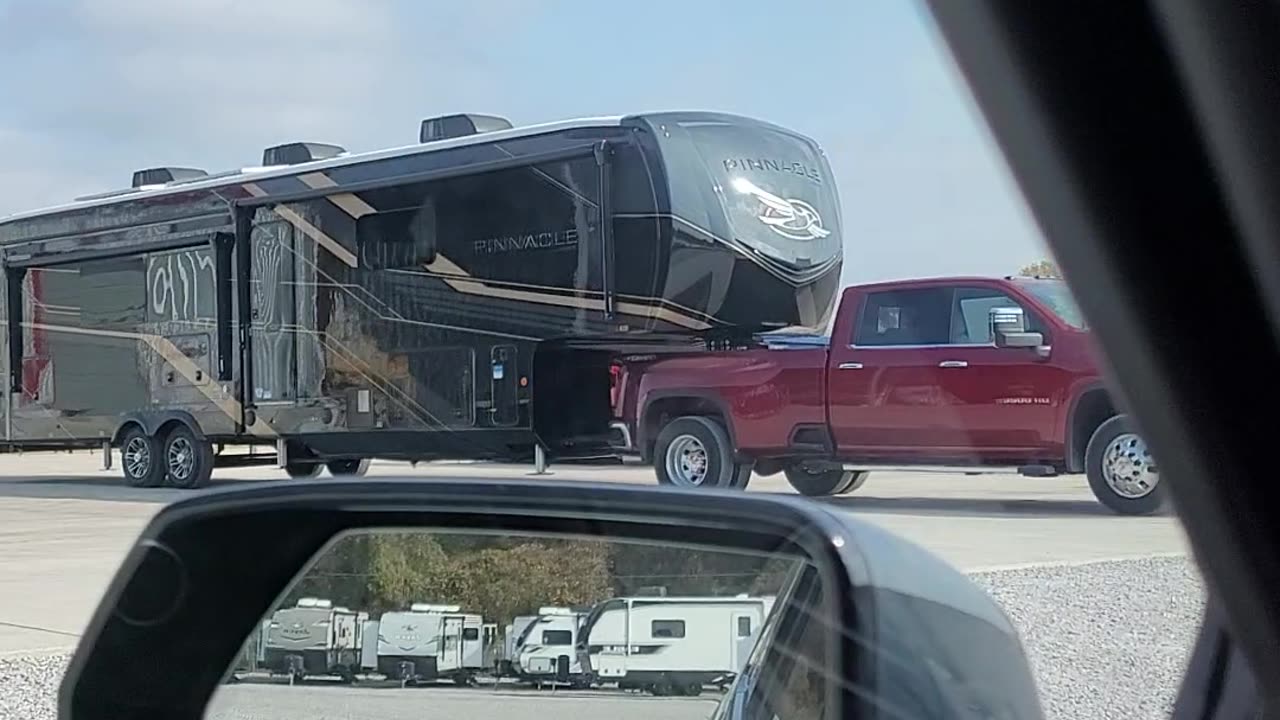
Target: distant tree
[{"x": 1042, "y": 268}]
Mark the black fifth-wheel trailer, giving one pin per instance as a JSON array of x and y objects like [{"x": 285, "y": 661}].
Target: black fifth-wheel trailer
[{"x": 458, "y": 298}]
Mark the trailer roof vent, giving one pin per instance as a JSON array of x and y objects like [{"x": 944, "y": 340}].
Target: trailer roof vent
[
  {"x": 651, "y": 591},
  {"x": 431, "y": 607},
  {"x": 455, "y": 126},
  {"x": 300, "y": 152},
  {"x": 314, "y": 603},
  {"x": 162, "y": 175},
  {"x": 552, "y": 610}
]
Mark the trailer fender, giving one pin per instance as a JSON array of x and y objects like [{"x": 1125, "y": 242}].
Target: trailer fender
[{"x": 155, "y": 422}]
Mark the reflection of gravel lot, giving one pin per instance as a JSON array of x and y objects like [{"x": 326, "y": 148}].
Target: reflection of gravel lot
[{"x": 1107, "y": 640}]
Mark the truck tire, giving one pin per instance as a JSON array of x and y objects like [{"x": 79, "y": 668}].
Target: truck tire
[
  {"x": 140, "y": 459},
  {"x": 348, "y": 468},
  {"x": 742, "y": 476},
  {"x": 1122, "y": 473},
  {"x": 821, "y": 483},
  {"x": 694, "y": 451},
  {"x": 187, "y": 459},
  {"x": 303, "y": 469}
]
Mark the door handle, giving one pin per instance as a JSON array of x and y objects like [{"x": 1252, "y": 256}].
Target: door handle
[
  {"x": 849, "y": 366},
  {"x": 953, "y": 364}
]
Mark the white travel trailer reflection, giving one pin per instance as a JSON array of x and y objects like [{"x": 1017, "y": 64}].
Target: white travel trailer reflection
[
  {"x": 429, "y": 642},
  {"x": 670, "y": 645}
]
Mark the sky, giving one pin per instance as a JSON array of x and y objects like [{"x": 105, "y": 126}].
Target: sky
[{"x": 94, "y": 89}]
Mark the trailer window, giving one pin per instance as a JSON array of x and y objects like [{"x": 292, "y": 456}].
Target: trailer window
[
  {"x": 557, "y": 637},
  {"x": 667, "y": 629},
  {"x": 744, "y": 626},
  {"x": 399, "y": 238},
  {"x": 470, "y": 634}
]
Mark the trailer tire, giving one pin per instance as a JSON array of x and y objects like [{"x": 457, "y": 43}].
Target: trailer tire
[
  {"x": 694, "y": 451},
  {"x": 302, "y": 470},
  {"x": 691, "y": 689},
  {"x": 187, "y": 459},
  {"x": 349, "y": 468},
  {"x": 1122, "y": 474},
  {"x": 140, "y": 458},
  {"x": 825, "y": 482}
]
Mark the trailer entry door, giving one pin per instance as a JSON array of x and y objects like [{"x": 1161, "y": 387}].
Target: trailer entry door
[
  {"x": 451, "y": 644},
  {"x": 506, "y": 388}
]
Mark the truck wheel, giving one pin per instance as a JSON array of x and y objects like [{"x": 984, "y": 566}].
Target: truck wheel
[
  {"x": 742, "y": 476},
  {"x": 694, "y": 451},
  {"x": 818, "y": 483},
  {"x": 140, "y": 459},
  {"x": 302, "y": 469},
  {"x": 348, "y": 468},
  {"x": 188, "y": 460},
  {"x": 1122, "y": 473}
]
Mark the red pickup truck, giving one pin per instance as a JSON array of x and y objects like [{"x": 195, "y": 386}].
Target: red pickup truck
[{"x": 963, "y": 371}]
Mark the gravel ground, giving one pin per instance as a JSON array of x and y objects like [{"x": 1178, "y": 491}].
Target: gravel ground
[{"x": 1106, "y": 640}]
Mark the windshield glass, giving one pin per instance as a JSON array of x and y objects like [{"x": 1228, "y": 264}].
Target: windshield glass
[
  {"x": 1055, "y": 295},
  {"x": 775, "y": 250}
]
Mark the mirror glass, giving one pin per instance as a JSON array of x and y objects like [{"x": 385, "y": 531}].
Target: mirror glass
[{"x": 415, "y": 623}]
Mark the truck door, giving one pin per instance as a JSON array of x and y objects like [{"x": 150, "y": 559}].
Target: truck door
[
  {"x": 883, "y": 386},
  {"x": 1006, "y": 399}
]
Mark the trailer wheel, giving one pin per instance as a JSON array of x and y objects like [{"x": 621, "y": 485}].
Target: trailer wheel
[
  {"x": 1122, "y": 473},
  {"x": 348, "y": 468},
  {"x": 188, "y": 460},
  {"x": 694, "y": 451},
  {"x": 140, "y": 459},
  {"x": 302, "y": 470},
  {"x": 662, "y": 687},
  {"x": 818, "y": 483}
]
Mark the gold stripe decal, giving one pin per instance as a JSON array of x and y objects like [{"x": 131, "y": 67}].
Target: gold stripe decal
[
  {"x": 316, "y": 234},
  {"x": 349, "y": 203},
  {"x": 462, "y": 282},
  {"x": 180, "y": 362},
  {"x": 305, "y": 227}
]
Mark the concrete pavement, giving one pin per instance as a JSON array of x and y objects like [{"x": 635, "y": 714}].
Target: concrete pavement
[{"x": 65, "y": 526}]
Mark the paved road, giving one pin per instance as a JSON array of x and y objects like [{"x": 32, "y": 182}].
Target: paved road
[{"x": 65, "y": 525}]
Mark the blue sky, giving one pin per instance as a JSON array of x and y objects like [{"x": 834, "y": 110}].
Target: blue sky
[{"x": 94, "y": 89}]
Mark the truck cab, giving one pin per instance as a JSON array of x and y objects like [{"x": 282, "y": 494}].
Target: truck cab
[{"x": 962, "y": 371}]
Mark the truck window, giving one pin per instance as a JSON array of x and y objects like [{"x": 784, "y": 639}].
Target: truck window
[
  {"x": 666, "y": 629},
  {"x": 906, "y": 317},
  {"x": 970, "y": 318}
]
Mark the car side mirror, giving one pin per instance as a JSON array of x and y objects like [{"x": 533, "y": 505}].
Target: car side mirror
[
  {"x": 1009, "y": 329},
  {"x": 852, "y": 621}
]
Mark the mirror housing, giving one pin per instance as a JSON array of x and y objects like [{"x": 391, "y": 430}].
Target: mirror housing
[
  {"x": 1009, "y": 328},
  {"x": 199, "y": 572}
]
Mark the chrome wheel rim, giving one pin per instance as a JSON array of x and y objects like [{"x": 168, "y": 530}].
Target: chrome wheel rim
[
  {"x": 1128, "y": 468},
  {"x": 137, "y": 457},
  {"x": 687, "y": 461},
  {"x": 182, "y": 458}
]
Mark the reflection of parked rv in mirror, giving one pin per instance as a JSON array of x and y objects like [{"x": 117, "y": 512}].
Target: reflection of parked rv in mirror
[
  {"x": 670, "y": 645},
  {"x": 510, "y": 635},
  {"x": 544, "y": 652},
  {"x": 314, "y": 638},
  {"x": 429, "y": 642}
]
